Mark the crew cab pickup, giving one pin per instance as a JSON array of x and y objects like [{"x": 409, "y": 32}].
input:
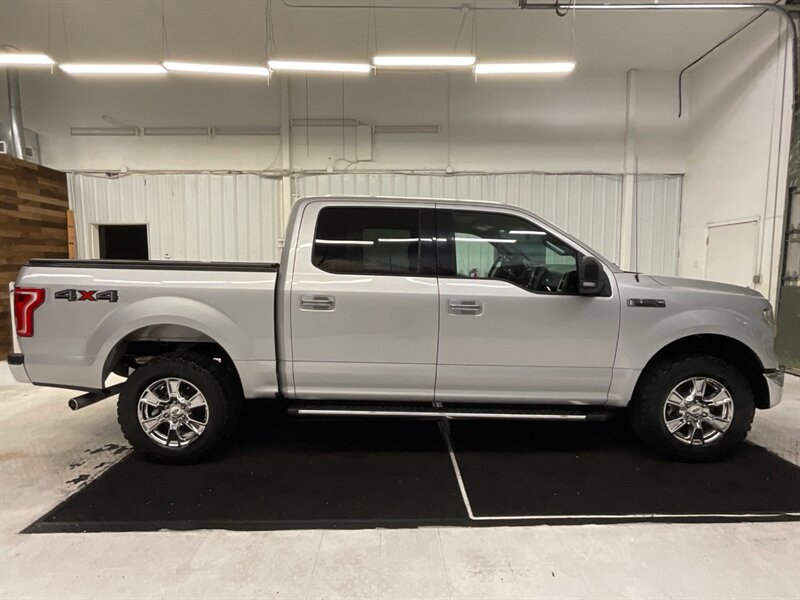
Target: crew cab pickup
[{"x": 401, "y": 307}]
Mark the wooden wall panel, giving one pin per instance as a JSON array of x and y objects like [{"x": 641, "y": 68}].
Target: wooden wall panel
[{"x": 33, "y": 224}]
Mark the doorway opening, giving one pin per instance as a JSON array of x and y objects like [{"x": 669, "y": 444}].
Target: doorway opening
[{"x": 128, "y": 242}]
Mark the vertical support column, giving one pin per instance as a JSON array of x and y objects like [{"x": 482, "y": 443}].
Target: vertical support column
[
  {"x": 628, "y": 229},
  {"x": 286, "y": 152}
]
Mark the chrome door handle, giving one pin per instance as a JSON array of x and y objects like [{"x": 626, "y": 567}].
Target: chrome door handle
[
  {"x": 465, "y": 307},
  {"x": 317, "y": 303}
]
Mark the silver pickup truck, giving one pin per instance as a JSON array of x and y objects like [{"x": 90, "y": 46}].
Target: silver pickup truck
[{"x": 401, "y": 307}]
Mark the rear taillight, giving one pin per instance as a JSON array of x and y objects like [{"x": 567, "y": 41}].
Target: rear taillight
[{"x": 26, "y": 301}]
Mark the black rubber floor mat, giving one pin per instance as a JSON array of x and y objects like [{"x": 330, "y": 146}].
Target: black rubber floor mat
[
  {"x": 569, "y": 470},
  {"x": 290, "y": 473},
  {"x": 281, "y": 473}
]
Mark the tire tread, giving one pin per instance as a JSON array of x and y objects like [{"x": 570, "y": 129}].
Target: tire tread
[
  {"x": 644, "y": 412},
  {"x": 205, "y": 368}
]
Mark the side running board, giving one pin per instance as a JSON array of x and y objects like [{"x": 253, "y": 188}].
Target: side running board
[{"x": 426, "y": 411}]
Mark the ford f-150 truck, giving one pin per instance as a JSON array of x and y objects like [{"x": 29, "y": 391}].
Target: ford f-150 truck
[{"x": 401, "y": 307}]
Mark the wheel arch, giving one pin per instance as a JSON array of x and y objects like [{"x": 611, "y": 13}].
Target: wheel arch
[
  {"x": 163, "y": 338},
  {"x": 724, "y": 347}
]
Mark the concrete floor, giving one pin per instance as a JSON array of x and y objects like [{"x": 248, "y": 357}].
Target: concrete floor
[{"x": 46, "y": 452}]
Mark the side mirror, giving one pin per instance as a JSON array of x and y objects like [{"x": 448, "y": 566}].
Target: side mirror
[{"x": 590, "y": 276}]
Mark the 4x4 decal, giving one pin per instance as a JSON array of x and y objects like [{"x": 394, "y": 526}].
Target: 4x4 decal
[{"x": 87, "y": 295}]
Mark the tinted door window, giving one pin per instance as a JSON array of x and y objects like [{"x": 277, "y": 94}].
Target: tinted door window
[
  {"x": 483, "y": 245},
  {"x": 379, "y": 241}
]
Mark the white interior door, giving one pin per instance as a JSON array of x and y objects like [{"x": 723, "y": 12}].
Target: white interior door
[{"x": 731, "y": 253}]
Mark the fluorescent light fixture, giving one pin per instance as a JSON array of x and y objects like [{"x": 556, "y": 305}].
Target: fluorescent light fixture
[
  {"x": 111, "y": 69},
  {"x": 423, "y": 61},
  {"x": 398, "y": 240},
  {"x": 318, "y": 67},
  {"x": 527, "y": 232},
  {"x": 405, "y": 129},
  {"x": 217, "y": 69},
  {"x": 18, "y": 59},
  {"x": 104, "y": 131},
  {"x": 522, "y": 68}
]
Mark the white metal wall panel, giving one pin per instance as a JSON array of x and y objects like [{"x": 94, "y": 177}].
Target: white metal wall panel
[
  {"x": 588, "y": 206},
  {"x": 189, "y": 216},
  {"x": 235, "y": 217},
  {"x": 658, "y": 229}
]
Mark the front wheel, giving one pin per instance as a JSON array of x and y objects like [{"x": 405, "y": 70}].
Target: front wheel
[
  {"x": 693, "y": 408},
  {"x": 178, "y": 408}
]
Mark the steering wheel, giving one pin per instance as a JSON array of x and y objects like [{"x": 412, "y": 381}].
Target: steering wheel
[
  {"x": 535, "y": 280},
  {"x": 495, "y": 265}
]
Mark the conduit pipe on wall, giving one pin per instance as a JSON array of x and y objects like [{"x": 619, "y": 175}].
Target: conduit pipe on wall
[
  {"x": 15, "y": 114},
  {"x": 780, "y": 10}
]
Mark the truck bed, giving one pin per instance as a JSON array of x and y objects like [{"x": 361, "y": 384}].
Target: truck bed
[{"x": 93, "y": 309}]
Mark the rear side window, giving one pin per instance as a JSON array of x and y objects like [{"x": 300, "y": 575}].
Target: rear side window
[{"x": 369, "y": 240}]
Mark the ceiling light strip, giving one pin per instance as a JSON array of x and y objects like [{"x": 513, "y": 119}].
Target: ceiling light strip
[
  {"x": 20, "y": 59},
  {"x": 318, "y": 67},
  {"x": 523, "y": 68},
  {"x": 112, "y": 69},
  {"x": 423, "y": 61},
  {"x": 185, "y": 67}
]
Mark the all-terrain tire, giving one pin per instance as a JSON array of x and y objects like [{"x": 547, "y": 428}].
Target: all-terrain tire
[
  {"x": 220, "y": 389},
  {"x": 646, "y": 412}
]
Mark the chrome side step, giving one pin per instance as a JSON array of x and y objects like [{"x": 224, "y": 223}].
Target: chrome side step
[{"x": 476, "y": 412}]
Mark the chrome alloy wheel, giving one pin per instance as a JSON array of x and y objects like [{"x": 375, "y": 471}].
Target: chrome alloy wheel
[
  {"x": 173, "y": 412},
  {"x": 698, "y": 411}
]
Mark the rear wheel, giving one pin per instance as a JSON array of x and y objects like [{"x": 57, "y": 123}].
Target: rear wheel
[
  {"x": 179, "y": 408},
  {"x": 693, "y": 408}
]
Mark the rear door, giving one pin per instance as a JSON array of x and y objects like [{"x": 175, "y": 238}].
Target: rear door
[
  {"x": 512, "y": 325},
  {"x": 364, "y": 302}
]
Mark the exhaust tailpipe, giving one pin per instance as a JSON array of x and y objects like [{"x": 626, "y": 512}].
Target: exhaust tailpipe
[{"x": 90, "y": 398}]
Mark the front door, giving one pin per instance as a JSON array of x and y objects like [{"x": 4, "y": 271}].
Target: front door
[
  {"x": 364, "y": 303},
  {"x": 513, "y": 327}
]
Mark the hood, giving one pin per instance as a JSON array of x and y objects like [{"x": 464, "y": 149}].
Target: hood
[{"x": 705, "y": 286}]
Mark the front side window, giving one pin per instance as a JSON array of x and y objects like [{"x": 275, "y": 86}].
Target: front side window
[
  {"x": 368, "y": 240},
  {"x": 497, "y": 246}
]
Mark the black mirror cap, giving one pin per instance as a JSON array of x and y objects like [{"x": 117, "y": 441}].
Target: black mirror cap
[{"x": 590, "y": 276}]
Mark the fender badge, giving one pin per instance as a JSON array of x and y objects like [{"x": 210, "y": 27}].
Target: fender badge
[{"x": 647, "y": 302}]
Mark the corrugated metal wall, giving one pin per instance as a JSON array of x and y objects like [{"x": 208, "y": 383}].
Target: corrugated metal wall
[
  {"x": 236, "y": 217},
  {"x": 588, "y": 206},
  {"x": 189, "y": 216},
  {"x": 659, "y": 221}
]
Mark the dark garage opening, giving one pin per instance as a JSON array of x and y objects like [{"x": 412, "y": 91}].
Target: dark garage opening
[{"x": 123, "y": 242}]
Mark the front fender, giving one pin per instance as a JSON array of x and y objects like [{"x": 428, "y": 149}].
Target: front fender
[{"x": 641, "y": 338}]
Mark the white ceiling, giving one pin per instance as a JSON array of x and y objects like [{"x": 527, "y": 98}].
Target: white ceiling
[{"x": 234, "y": 31}]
